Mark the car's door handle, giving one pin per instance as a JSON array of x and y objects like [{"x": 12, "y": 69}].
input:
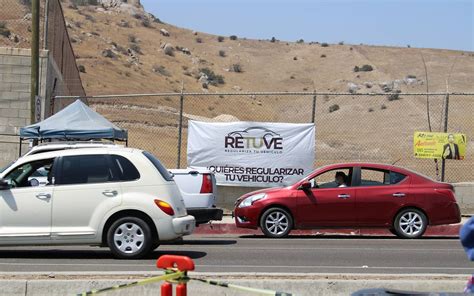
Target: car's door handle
[
  {"x": 343, "y": 196},
  {"x": 398, "y": 194},
  {"x": 43, "y": 195},
  {"x": 109, "y": 193}
]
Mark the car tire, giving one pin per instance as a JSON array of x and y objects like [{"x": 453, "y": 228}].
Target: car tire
[
  {"x": 410, "y": 223},
  {"x": 154, "y": 246},
  {"x": 276, "y": 223},
  {"x": 130, "y": 238},
  {"x": 393, "y": 231}
]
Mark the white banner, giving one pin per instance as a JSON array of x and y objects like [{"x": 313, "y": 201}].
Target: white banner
[{"x": 258, "y": 154}]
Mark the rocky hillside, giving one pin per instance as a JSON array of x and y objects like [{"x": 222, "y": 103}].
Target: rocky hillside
[{"x": 116, "y": 42}]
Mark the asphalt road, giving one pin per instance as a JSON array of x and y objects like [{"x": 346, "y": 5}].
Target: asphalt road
[{"x": 312, "y": 254}]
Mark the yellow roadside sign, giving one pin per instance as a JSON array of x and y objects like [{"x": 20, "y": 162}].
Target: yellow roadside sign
[{"x": 439, "y": 145}]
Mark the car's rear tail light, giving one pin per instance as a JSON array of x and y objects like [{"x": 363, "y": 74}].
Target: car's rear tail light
[
  {"x": 206, "y": 186},
  {"x": 165, "y": 207}
]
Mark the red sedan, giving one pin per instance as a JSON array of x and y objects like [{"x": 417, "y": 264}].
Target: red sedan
[{"x": 351, "y": 195}]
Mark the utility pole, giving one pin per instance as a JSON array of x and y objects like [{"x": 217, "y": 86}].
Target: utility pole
[
  {"x": 35, "y": 8},
  {"x": 445, "y": 129},
  {"x": 180, "y": 126}
]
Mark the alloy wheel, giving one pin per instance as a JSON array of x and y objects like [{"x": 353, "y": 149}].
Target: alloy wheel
[
  {"x": 411, "y": 223},
  {"x": 277, "y": 223},
  {"x": 129, "y": 238}
]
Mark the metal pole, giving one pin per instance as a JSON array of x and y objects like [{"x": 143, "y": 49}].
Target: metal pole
[
  {"x": 180, "y": 126},
  {"x": 45, "y": 27},
  {"x": 313, "y": 113},
  {"x": 34, "y": 57},
  {"x": 19, "y": 149},
  {"x": 445, "y": 129}
]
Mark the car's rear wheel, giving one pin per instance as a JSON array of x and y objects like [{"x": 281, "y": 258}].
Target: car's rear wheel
[
  {"x": 130, "y": 238},
  {"x": 410, "y": 223},
  {"x": 276, "y": 223}
]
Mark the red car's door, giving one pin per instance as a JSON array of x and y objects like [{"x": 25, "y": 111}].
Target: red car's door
[
  {"x": 326, "y": 204},
  {"x": 379, "y": 195}
]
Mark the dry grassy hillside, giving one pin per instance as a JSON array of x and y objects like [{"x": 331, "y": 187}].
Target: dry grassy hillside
[{"x": 265, "y": 65}]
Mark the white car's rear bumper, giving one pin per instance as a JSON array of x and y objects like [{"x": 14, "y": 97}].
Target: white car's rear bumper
[{"x": 184, "y": 225}]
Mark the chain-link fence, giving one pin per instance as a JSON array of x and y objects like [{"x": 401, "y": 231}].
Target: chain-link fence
[
  {"x": 15, "y": 23},
  {"x": 349, "y": 127},
  {"x": 15, "y": 31}
]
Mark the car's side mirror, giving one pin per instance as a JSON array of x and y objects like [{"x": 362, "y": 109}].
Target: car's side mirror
[
  {"x": 4, "y": 185},
  {"x": 305, "y": 185}
]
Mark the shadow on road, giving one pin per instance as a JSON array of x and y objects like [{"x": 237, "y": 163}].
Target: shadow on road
[
  {"x": 89, "y": 254},
  {"x": 203, "y": 242},
  {"x": 347, "y": 237}
]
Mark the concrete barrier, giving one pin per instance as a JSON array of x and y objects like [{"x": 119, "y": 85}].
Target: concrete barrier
[
  {"x": 226, "y": 196},
  {"x": 465, "y": 197},
  {"x": 290, "y": 285}
]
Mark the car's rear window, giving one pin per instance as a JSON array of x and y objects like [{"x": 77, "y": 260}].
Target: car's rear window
[
  {"x": 396, "y": 178},
  {"x": 126, "y": 170},
  {"x": 163, "y": 171}
]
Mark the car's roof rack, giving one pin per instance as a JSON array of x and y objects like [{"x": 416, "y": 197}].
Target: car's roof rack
[{"x": 75, "y": 143}]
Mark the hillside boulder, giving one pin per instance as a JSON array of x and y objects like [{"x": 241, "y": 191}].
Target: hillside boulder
[
  {"x": 352, "y": 87},
  {"x": 165, "y": 32},
  {"x": 132, "y": 7}
]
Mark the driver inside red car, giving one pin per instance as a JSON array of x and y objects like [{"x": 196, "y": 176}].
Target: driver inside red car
[{"x": 340, "y": 179}]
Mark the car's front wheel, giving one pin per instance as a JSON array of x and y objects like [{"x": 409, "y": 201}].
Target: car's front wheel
[
  {"x": 410, "y": 223},
  {"x": 276, "y": 223},
  {"x": 130, "y": 238}
]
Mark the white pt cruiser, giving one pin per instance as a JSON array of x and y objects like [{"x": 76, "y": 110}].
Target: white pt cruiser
[{"x": 122, "y": 198}]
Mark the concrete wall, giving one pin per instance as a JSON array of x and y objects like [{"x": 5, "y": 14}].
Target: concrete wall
[
  {"x": 15, "y": 81},
  {"x": 226, "y": 196},
  {"x": 465, "y": 197}
]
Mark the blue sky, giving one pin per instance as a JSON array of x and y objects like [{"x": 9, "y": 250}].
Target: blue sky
[{"x": 420, "y": 23}]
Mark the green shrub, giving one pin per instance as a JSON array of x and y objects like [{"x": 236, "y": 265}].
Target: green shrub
[
  {"x": 135, "y": 47},
  {"x": 273, "y": 40},
  {"x": 300, "y": 41},
  {"x": 146, "y": 23},
  {"x": 233, "y": 37},
  {"x": 214, "y": 79},
  {"x": 394, "y": 96},
  {"x": 160, "y": 70},
  {"x": 222, "y": 53},
  {"x": 220, "y": 38},
  {"x": 324, "y": 44},
  {"x": 83, "y": 2},
  {"x": 237, "y": 68},
  {"x": 26, "y": 2},
  {"x": 4, "y": 31},
  {"x": 333, "y": 108},
  {"x": 89, "y": 18},
  {"x": 132, "y": 38},
  {"x": 364, "y": 68}
]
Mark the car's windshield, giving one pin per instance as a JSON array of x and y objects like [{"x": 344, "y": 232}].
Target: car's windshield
[{"x": 6, "y": 167}]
